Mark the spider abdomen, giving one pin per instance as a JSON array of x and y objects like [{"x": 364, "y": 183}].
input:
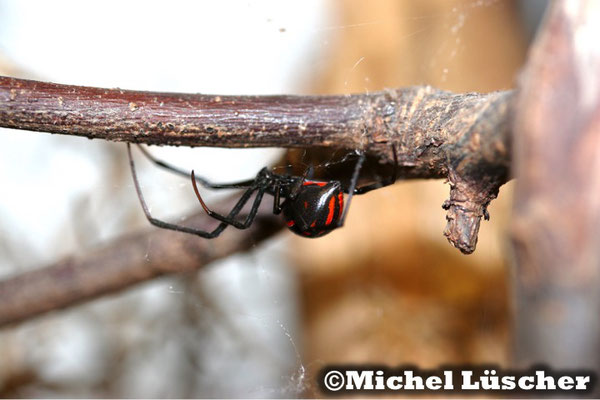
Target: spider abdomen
[{"x": 316, "y": 209}]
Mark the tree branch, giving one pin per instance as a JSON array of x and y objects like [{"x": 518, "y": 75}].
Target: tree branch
[
  {"x": 556, "y": 221},
  {"x": 461, "y": 137},
  {"x": 124, "y": 262}
]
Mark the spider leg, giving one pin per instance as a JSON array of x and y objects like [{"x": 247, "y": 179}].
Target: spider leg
[
  {"x": 229, "y": 220},
  {"x": 186, "y": 174},
  {"x": 166, "y": 225},
  {"x": 387, "y": 182},
  {"x": 352, "y": 187},
  {"x": 277, "y": 199}
]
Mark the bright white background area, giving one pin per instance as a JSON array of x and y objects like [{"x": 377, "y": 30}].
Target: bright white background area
[{"x": 231, "y": 330}]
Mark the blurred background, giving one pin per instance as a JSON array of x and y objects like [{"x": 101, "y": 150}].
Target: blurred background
[{"x": 387, "y": 288}]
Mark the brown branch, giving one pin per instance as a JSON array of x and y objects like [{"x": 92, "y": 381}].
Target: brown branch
[
  {"x": 461, "y": 137},
  {"x": 556, "y": 223},
  {"x": 126, "y": 261}
]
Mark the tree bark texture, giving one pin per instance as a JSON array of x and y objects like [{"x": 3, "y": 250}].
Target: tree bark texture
[
  {"x": 461, "y": 137},
  {"x": 556, "y": 224}
]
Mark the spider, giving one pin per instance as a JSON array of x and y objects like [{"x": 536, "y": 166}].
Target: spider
[{"x": 311, "y": 208}]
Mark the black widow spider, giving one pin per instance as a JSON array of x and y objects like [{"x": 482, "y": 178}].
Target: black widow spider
[{"x": 311, "y": 208}]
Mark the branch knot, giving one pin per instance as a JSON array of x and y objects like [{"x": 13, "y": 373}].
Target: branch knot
[{"x": 467, "y": 204}]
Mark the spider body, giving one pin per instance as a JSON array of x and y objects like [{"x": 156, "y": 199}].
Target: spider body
[
  {"x": 315, "y": 210},
  {"x": 310, "y": 208}
]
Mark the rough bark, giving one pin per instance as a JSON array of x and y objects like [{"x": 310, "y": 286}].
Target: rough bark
[
  {"x": 461, "y": 137},
  {"x": 437, "y": 134}
]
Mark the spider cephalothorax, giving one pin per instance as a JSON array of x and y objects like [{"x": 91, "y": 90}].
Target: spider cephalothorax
[{"x": 311, "y": 208}]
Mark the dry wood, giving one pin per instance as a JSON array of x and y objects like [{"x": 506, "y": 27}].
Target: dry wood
[
  {"x": 461, "y": 137},
  {"x": 437, "y": 134}
]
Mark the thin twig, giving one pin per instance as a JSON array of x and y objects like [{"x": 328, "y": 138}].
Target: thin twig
[{"x": 124, "y": 262}]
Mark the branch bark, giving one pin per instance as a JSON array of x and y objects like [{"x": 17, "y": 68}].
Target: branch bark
[
  {"x": 126, "y": 261},
  {"x": 556, "y": 222},
  {"x": 461, "y": 137}
]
